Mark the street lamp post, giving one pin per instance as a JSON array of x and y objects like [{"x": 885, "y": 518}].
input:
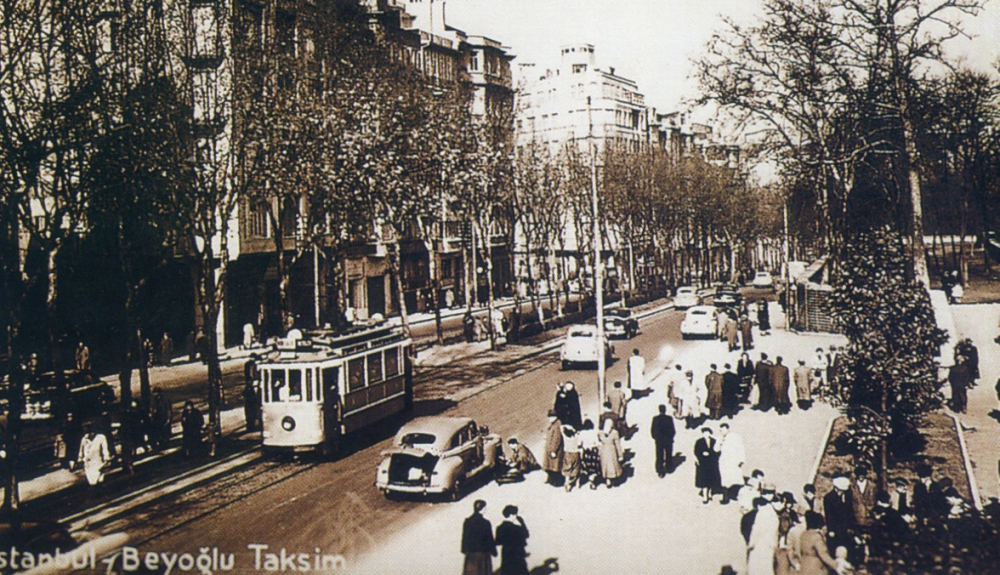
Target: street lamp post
[{"x": 598, "y": 266}]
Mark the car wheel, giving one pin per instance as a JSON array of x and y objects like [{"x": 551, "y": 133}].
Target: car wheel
[
  {"x": 565, "y": 365},
  {"x": 685, "y": 336},
  {"x": 456, "y": 491}
]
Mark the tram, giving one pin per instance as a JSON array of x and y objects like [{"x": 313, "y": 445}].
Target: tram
[{"x": 318, "y": 389}]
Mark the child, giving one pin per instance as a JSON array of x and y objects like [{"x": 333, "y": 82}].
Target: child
[{"x": 843, "y": 565}]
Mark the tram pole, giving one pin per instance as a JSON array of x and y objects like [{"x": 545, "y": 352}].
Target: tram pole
[{"x": 598, "y": 265}]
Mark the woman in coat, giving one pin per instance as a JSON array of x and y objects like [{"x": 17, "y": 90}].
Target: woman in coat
[
  {"x": 706, "y": 475},
  {"x": 763, "y": 316},
  {"x": 610, "y": 450},
  {"x": 553, "y": 457},
  {"x": 814, "y": 557}
]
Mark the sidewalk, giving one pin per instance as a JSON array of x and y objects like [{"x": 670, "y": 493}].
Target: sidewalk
[
  {"x": 647, "y": 525},
  {"x": 982, "y": 418}
]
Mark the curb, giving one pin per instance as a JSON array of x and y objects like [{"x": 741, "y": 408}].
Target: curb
[
  {"x": 973, "y": 485},
  {"x": 822, "y": 448}
]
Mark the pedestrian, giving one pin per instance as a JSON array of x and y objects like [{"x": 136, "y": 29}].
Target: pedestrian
[
  {"x": 512, "y": 537},
  {"x": 762, "y": 381},
  {"x": 745, "y": 369},
  {"x": 138, "y": 424},
  {"x": 720, "y": 326},
  {"x": 732, "y": 457},
  {"x": 926, "y": 493},
  {"x": 478, "y": 544},
  {"x": 520, "y": 458},
  {"x": 814, "y": 556},
  {"x": 751, "y": 490},
  {"x": 730, "y": 391},
  {"x": 688, "y": 397},
  {"x": 663, "y": 431},
  {"x": 72, "y": 435},
  {"x": 590, "y": 454},
  {"x": 888, "y": 526},
  {"x": 249, "y": 335},
  {"x": 819, "y": 365},
  {"x": 571, "y": 458},
  {"x": 94, "y": 455},
  {"x": 833, "y": 360},
  {"x": 251, "y": 398},
  {"x": 637, "y": 375},
  {"x": 731, "y": 332},
  {"x": 972, "y": 355},
  {"x": 675, "y": 383},
  {"x": 610, "y": 449},
  {"x": 747, "y": 520},
  {"x": 746, "y": 333},
  {"x": 619, "y": 404},
  {"x": 567, "y": 405},
  {"x": 191, "y": 425},
  {"x": 161, "y": 418},
  {"x": 713, "y": 396},
  {"x": 899, "y": 497},
  {"x": 779, "y": 382},
  {"x": 706, "y": 477},
  {"x": 959, "y": 377},
  {"x": 862, "y": 496},
  {"x": 552, "y": 463},
  {"x": 201, "y": 345},
  {"x": 809, "y": 501},
  {"x": 803, "y": 391},
  {"x": 763, "y": 317},
  {"x": 839, "y": 509},
  {"x": 764, "y": 539},
  {"x": 166, "y": 349},
  {"x": 469, "y": 327},
  {"x": 82, "y": 357}
]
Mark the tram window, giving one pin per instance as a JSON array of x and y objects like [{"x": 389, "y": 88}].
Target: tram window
[
  {"x": 356, "y": 374},
  {"x": 295, "y": 385},
  {"x": 309, "y": 384},
  {"x": 277, "y": 383},
  {"x": 374, "y": 368},
  {"x": 391, "y": 362}
]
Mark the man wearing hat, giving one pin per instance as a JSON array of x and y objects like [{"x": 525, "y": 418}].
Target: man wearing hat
[
  {"x": 839, "y": 508},
  {"x": 552, "y": 461}
]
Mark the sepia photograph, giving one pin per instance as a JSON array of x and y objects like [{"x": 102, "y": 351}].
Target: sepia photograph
[{"x": 515, "y": 287}]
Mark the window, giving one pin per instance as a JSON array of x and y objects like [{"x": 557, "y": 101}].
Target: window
[
  {"x": 579, "y": 68},
  {"x": 331, "y": 376},
  {"x": 309, "y": 384},
  {"x": 295, "y": 385},
  {"x": 474, "y": 61},
  {"x": 391, "y": 362},
  {"x": 356, "y": 374},
  {"x": 277, "y": 384},
  {"x": 374, "y": 368}
]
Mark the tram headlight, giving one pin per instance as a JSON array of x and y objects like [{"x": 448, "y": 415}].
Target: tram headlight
[{"x": 287, "y": 423}]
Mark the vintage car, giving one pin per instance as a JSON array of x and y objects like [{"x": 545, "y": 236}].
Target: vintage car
[
  {"x": 762, "y": 280},
  {"x": 437, "y": 455},
  {"x": 727, "y": 295},
  {"x": 51, "y": 395},
  {"x": 581, "y": 346},
  {"x": 700, "y": 320},
  {"x": 620, "y": 322},
  {"x": 686, "y": 297}
]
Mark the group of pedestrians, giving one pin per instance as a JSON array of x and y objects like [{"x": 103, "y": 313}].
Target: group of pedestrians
[
  {"x": 479, "y": 542},
  {"x": 851, "y": 522}
]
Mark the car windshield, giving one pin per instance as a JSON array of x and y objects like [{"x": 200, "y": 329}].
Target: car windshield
[
  {"x": 413, "y": 439},
  {"x": 685, "y": 291}
]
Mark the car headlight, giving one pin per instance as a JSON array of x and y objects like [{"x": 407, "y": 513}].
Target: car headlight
[{"x": 287, "y": 423}]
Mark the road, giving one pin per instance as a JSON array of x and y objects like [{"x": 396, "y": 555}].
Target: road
[{"x": 300, "y": 505}]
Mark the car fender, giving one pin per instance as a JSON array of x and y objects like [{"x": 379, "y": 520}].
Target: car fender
[
  {"x": 446, "y": 472},
  {"x": 491, "y": 447}
]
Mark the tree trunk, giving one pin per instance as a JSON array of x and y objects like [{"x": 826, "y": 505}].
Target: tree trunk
[
  {"x": 395, "y": 268},
  {"x": 434, "y": 263}
]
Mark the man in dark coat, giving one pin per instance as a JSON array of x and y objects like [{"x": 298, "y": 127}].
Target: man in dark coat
[
  {"x": 959, "y": 376},
  {"x": 746, "y": 333},
  {"x": 161, "y": 418},
  {"x": 567, "y": 405},
  {"x": 839, "y": 510},
  {"x": 552, "y": 459},
  {"x": 512, "y": 536},
  {"x": 663, "y": 431},
  {"x": 478, "y": 545},
  {"x": 780, "y": 382},
  {"x": 888, "y": 525},
  {"x": 251, "y": 399},
  {"x": 927, "y": 493},
  {"x": 762, "y": 379},
  {"x": 191, "y": 424},
  {"x": 745, "y": 370},
  {"x": 730, "y": 391},
  {"x": 713, "y": 386}
]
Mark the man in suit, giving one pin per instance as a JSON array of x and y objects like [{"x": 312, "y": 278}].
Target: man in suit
[
  {"x": 730, "y": 391},
  {"x": 780, "y": 381},
  {"x": 619, "y": 404},
  {"x": 762, "y": 379},
  {"x": 960, "y": 377},
  {"x": 663, "y": 431},
  {"x": 478, "y": 545},
  {"x": 713, "y": 384},
  {"x": 802, "y": 376},
  {"x": 839, "y": 509}
]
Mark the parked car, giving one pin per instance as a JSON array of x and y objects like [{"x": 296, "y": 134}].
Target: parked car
[
  {"x": 727, "y": 295},
  {"x": 700, "y": 320},
  {"x": 762, "y": 280},
  {"x": 51, "y": 395},
  {"x": 581, "y": 346},
  {"x": 437, "y": 455},
  {"x": 686, "y": 297},
  {"x": 619, "y": 322}
]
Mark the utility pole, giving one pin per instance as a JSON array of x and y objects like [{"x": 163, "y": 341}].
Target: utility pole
[{"x": 598, "y": 265}]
